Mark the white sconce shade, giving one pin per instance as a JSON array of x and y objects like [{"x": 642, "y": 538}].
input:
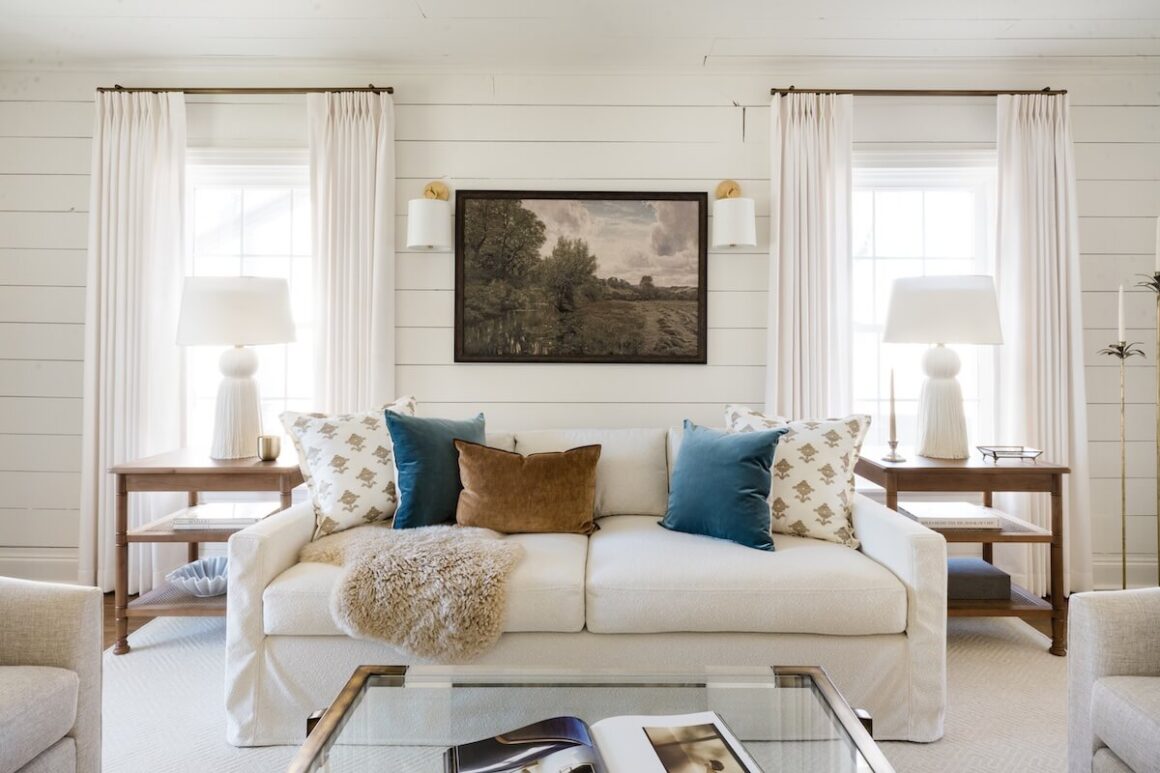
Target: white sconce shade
[
  {"x": 234, "y": 311},
  {"x": 734, "y": 223},
  {"x": 429, "y": 223}
]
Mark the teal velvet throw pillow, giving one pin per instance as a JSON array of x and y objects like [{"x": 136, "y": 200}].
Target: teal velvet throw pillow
[
  {"x": 720, "y": 485},
  {"x": 428, "y": 466}
]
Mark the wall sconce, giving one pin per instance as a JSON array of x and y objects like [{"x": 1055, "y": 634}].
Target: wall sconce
[
  {"x": 429, "y": 218},
  {"x": 734, "y": 221}
]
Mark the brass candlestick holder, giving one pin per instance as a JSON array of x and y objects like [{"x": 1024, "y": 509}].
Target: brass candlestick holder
[
  {"x": 1122, "y": 351},
  {"x": 1152, "y": 282}
]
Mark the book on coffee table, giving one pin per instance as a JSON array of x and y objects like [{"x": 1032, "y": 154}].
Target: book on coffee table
[
  {"x": 953, "y": 515},
  {"x": 222, "y": 515},
  {"x": 628, "y": 744}
]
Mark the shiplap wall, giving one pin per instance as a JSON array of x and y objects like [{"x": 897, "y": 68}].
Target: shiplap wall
[{"x": 556, "y": 131}]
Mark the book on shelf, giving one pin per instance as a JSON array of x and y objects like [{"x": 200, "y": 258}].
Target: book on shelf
[
  {"x": 953, "y": 515},
  {"x": 627, "y": 744},
  {"x": 222, "y": 515}
]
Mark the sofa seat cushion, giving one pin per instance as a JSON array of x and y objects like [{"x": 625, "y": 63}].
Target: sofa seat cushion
[
  {"x": 545, "y": 591},
  {"x": 38, "y": 706},
  {"x": 1106, "y": 761},
  {"x": 1126, "y": 717},
  {"x": 61, "y": 757},
  {"x": 643, "y": 578}
]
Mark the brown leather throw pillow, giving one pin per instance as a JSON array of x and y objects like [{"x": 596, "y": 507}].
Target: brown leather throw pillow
[{"x": 517, "y": 494}]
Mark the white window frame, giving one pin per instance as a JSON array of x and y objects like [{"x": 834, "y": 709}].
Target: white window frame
[
  {"x": 920, "y": 169},
  {"x": 209, "y": 167}
]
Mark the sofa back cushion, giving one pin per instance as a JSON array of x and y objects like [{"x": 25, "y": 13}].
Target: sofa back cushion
[
  {"x": 632, "y": 474},
  {"x": 516, "y": 494},
  {"x": 504, "y": 441},
  {"x": 673, "y": 440}
]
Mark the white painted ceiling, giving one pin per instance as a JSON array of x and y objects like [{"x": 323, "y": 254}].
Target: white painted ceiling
[{"x": 685, "y": 34}]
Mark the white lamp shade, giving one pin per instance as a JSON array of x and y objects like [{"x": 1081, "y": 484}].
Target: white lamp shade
[
  {"x": 235, "y": 311},
  {"x": 943, "y": 310},
  {"x": 734, "y": 223},
  {"x": 429, "y": 223}
]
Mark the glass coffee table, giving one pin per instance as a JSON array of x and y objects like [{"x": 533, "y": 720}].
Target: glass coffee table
[{"x": 399, "y": 718}]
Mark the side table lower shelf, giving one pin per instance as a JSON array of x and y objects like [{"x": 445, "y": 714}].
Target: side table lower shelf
[
  {"x": 1021, "y": 604},
  {"x": 168, "y": 600}
]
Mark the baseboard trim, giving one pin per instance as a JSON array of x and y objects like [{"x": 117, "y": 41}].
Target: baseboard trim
[
  {"x": 1106, "y": 572},
  {"x": 46, "y": 564}
]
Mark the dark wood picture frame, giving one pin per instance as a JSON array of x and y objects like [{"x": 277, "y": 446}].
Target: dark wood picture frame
[{"x": 698, "y": 357}]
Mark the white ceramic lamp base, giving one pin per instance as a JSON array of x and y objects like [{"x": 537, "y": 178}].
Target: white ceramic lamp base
[
  {"x": 942, "y": 425},
  {"x": 238, "y": 417}
]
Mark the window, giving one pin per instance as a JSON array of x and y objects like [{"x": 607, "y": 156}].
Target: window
[
  {"x": 915, "y": 216},
  {"x": 249, "y": 214}
]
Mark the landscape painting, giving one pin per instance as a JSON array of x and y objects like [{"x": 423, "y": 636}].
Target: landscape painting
[{"x": 580, "y": 277}]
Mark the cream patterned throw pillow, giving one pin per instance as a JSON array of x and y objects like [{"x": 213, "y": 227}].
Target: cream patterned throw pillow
[
  {"x": 812, "y": 493},
  {"x": 348, "y": 463}
]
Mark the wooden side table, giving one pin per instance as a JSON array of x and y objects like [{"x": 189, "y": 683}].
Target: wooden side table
[
  {"x": 190, "y": 472},
  {"x": 919, "y": 473}
]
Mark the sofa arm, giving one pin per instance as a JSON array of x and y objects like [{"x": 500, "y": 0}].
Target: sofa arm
[
  {"x": 47, "y": 624},
  {"x": 918, "y": 557},
  {"x": 257, "y": 554},
  {"x": 1111, "y": 633}
]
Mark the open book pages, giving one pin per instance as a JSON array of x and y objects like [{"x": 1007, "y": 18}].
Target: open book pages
[{"x": 686, "y": 743}]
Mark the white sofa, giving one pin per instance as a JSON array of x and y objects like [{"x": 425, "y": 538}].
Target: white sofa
[{"x": 874, "y": 618}]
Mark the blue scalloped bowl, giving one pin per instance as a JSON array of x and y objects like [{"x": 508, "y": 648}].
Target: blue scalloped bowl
[{"x": 204, "y": 577}]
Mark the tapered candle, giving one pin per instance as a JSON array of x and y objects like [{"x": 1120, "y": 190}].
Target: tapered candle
[
  {"x": 1121, "y": 327},
  {"x": 893, "y": 425}
]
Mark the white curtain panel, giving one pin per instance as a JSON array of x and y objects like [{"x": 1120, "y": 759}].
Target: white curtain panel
[
  {"x": 808, "y": 343},
  {"x": 133, "y": 376},
  {"x": 352, "y": 179},
  {"x": 1040, "y": 395}
]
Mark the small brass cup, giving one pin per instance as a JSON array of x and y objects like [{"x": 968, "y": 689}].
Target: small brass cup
[{"x": 269, "y": 447}]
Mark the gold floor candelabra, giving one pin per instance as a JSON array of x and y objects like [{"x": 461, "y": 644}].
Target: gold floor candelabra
[
  {"x": 1152, "y": 282},
  {"x": 1122, "y": 350}
]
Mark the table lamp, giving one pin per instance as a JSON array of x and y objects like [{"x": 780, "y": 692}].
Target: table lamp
[
  {"x": 942, "y": 310},
  {"x": 239, "y": 311}
]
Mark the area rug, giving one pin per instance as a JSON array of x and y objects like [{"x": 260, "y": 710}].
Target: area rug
[{"x": 163, "y": 704}]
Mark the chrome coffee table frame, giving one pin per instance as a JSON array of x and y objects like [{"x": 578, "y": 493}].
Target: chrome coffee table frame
[{"x": 324, "y": 729}]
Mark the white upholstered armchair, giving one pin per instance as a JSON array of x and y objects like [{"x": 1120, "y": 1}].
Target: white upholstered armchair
[
  {"x": 1113, "y": 682},
  {"x": 50, "y": 678}
]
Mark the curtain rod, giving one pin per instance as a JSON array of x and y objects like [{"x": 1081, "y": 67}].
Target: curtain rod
[
  {"x": 920, "y": 92},
  {"x": 248, "y": 90}
]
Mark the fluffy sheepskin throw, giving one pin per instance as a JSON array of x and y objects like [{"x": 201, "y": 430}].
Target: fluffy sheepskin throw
[{"x": 437, "y": 592}]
